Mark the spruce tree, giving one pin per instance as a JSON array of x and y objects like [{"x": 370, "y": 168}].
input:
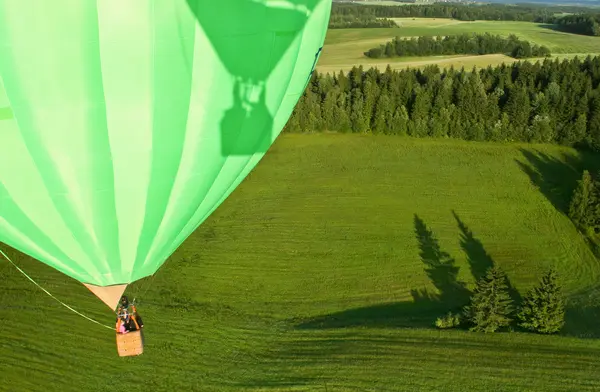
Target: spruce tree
[
  {"x": 594, "y": 219},
  {"x": 383, "y": 114},
  {"x": 594, "y": 122},
  {"x": 518, "y": 109},
  {"x": 582, "y": 202},
  {"x": 543, "y": 308},
  {"x": 400, "y": 121},
  {"x": 328, "y": 110},
  {"x": 491, "y": 305}
]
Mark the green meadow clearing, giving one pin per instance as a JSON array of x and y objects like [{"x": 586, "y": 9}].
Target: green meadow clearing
[
  {"x": 344, "y": 48},
  {"x": 320, "y": 273}
]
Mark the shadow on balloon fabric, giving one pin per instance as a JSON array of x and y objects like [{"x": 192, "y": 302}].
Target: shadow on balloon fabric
[{"x": 250, "y": 52}]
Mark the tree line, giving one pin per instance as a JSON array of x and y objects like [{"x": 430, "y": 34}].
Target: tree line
[
  {"x": 363, "y": 20},
  {"x": 467, "y": 43},
  {"x": 491, "y": 307},
  {"x": 549, "y": 101},
  {"x": 586, "y": 24},
  {"x": 511, "y": 12}
]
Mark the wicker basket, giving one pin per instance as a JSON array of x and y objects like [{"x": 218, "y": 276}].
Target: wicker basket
[{"x": 131, "y": 343}]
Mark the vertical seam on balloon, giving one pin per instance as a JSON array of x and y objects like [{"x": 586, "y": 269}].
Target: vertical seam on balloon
[
  {"x": 168, "y": 249},
  {"x": 137, "y": 256},
  {"x": 57, "y": 247},
  {"x": 152, "y": 124},
  {"x": 112, "y": 234},
  {"x": 153, "y": 248},
  {"x": 157, "y": 221},
  {"x": 152, "y": 130},
  {"x": 52, "y": 200}
]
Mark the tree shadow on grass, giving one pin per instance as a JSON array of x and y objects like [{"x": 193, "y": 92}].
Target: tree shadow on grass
[
  {"x": 582, "y": 314},
  {"x": 582, "y": 322},
  {"x": 479, "y": 260},
  {"x": 452, "y": 295},
  {"x": 315, "y": 359},
  {"x": 440, "y": 268},
  {"x": 425, "y": 307},
  {"x": 581, "y": 319},
  {"x": 560, "y": 29},
  {"x": 557, "y": 178}
]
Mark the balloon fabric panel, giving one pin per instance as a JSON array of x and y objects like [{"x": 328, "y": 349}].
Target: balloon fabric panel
[{"x": 124, "y": 125}]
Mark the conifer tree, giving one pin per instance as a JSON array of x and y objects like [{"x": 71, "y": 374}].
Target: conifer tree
[
  {"x": 491, "y": 305},
  {"x": 328, "y": 110},
  {"x": 594, "y": 227},
  {"x": 518, "y": 108},
  {"x": 400, "y": 121},
  {"x": 594, "y": 122},
  {"x": 543, "y": 308},
  {"x": 582, "y": 202},
  {"x": 383, "y": 114},
  {"x": 293, "y": 124}
]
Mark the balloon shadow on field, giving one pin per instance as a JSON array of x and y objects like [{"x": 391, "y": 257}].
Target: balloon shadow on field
[{"x": 250, "y": 53}]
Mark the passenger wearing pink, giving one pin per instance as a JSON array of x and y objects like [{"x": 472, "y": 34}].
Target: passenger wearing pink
[{"x": 121, "y": 326}]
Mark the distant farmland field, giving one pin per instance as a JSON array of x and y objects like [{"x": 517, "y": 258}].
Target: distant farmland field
[{"x": 344, "y": 48}]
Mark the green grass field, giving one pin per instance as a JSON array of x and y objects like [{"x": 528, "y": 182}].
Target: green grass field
[
  {"x": 344, "y": 48},
  {"x": 310, "y": 278}
]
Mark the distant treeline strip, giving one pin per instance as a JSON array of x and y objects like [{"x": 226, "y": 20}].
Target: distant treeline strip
[
  {"x": 359, "y": 21},
  {"x": 550, "y": 101},
  {"x": 583, "y": 22},
  {"x": 467, "y": 43}
]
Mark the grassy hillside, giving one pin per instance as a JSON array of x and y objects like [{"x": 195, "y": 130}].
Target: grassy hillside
[
  {"x": 311, "y": 276},
  {"x": 344, "y": 48}
]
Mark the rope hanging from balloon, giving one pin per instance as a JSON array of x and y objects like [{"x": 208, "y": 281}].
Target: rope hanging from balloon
[{"x": 52, "y": 296}]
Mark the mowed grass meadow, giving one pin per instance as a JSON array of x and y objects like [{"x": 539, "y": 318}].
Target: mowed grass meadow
[
  {"x": 325, "y": 271},
  {"x": 344, "y": 48}
]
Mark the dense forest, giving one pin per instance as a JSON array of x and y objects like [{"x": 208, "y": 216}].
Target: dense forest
[
  {"x": 512, "y": 12},
  {"x": 459, "y": 44},
  {"x": 586, "y": 24},
  {"x": 549, "y": 101}
]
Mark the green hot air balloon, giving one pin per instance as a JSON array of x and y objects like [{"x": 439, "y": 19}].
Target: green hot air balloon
[{"x": 125, "y": 123}]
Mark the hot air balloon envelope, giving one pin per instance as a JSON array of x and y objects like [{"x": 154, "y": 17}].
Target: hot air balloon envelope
[{"x": 125, "y": 124}]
